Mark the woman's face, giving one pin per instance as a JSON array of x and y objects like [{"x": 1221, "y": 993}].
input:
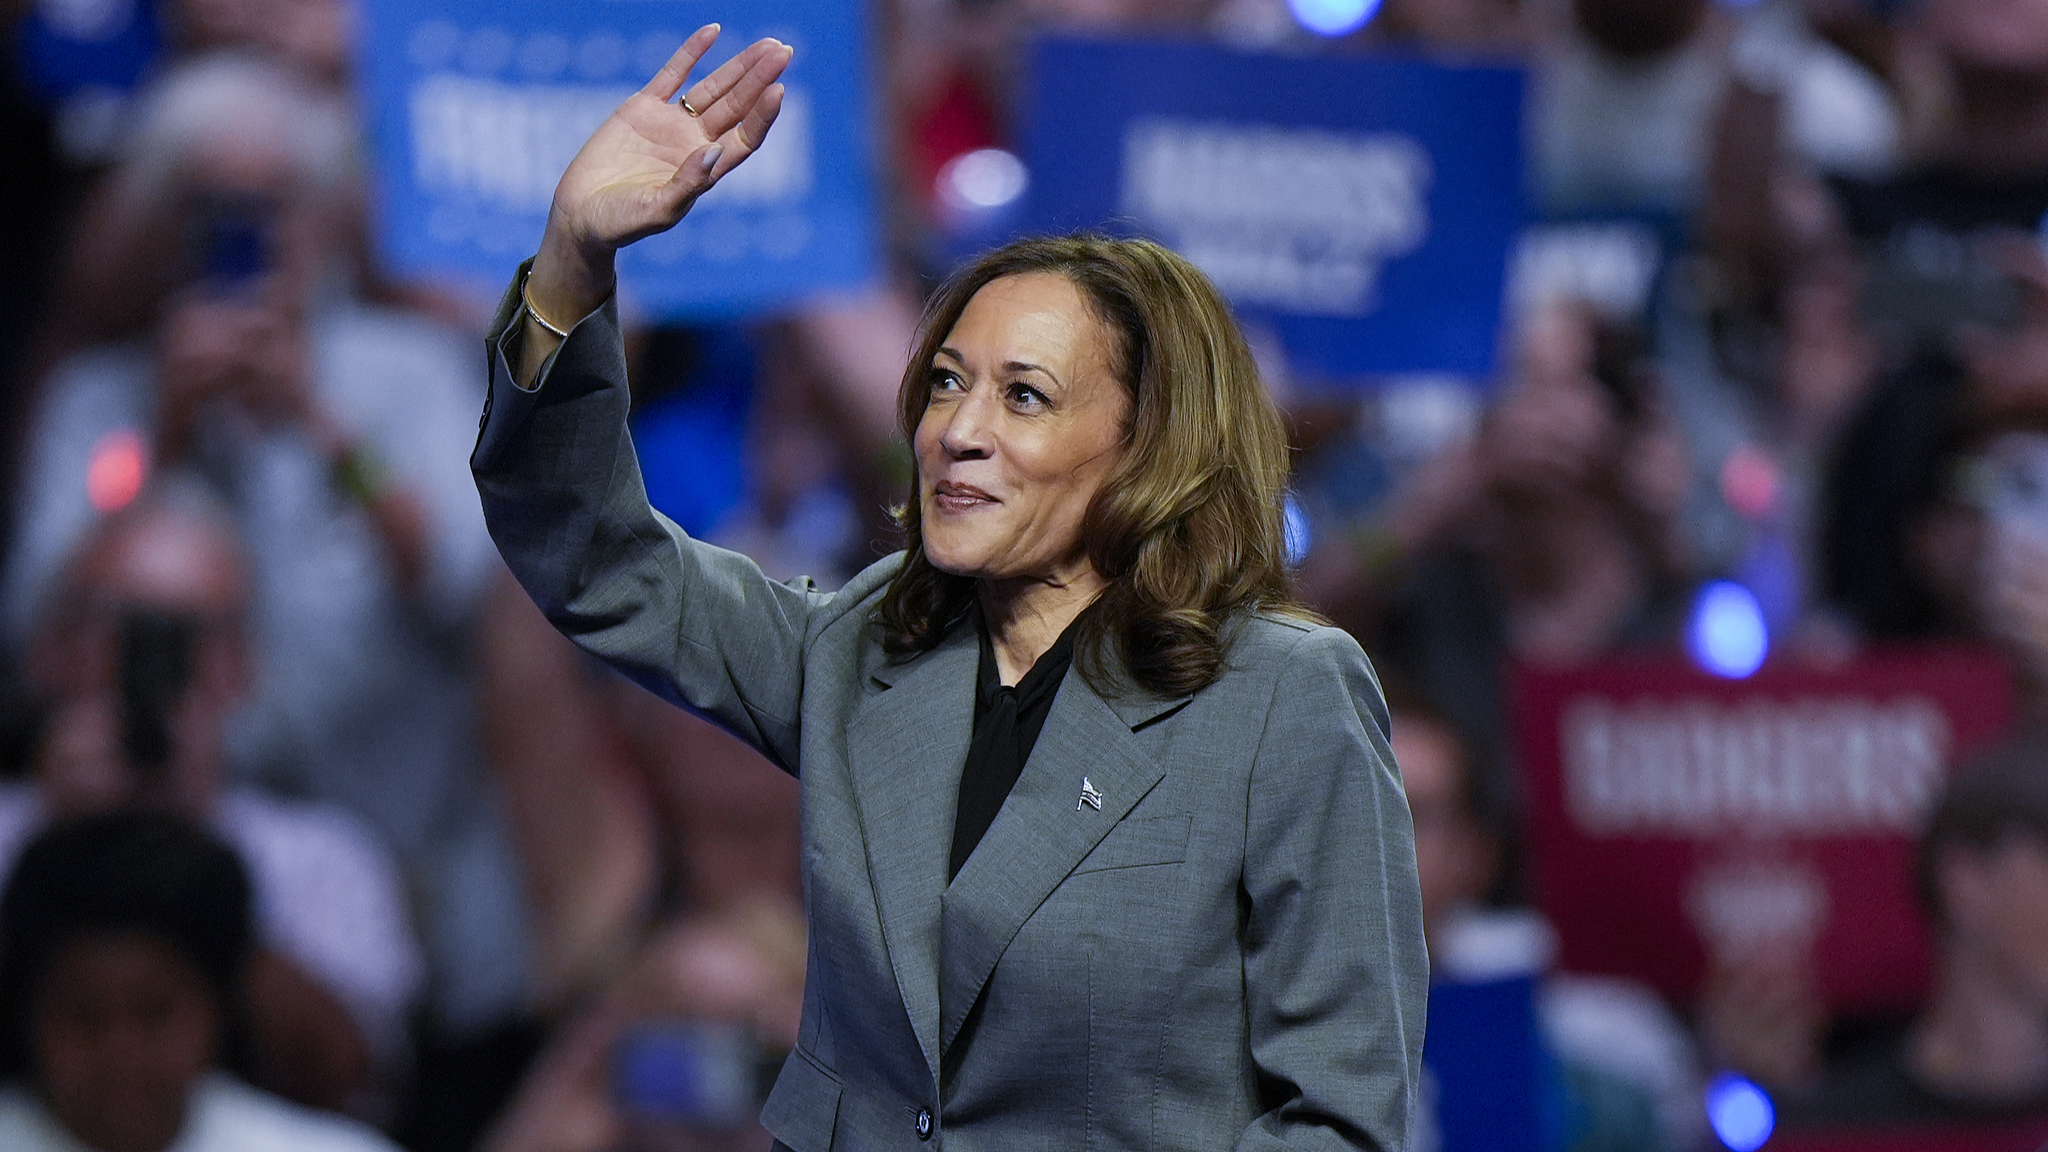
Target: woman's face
[{"x": 1024, "y": 421}]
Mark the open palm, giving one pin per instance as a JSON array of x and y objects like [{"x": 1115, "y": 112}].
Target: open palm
[{"x": 648, "y": 162}]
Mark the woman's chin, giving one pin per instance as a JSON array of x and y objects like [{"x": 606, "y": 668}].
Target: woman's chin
[{"x": 951, "y": 563}]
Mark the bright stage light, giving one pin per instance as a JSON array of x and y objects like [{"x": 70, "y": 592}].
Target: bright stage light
[
  {"x": 983, "y": 180},
  {"x": 1333, "y": 17},
  {"x": 1727, "y": 635},
  {"x": 1740, "y": 1112}
]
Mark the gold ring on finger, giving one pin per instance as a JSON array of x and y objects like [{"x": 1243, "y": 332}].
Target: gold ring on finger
[{"x": 690, "y": 108}]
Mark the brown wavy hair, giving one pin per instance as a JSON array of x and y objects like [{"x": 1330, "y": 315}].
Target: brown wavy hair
[{"x": 1187, "y": 528}]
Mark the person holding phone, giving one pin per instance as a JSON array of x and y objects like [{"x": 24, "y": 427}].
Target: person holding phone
[
  {"x": 1103, "y": 843},
  {"x": 141, "y": 661}
]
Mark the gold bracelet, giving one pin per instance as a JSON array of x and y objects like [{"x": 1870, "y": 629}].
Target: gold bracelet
[{"x": 526, "y": 302}]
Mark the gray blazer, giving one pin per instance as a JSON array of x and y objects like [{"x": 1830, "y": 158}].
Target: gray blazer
[{"x": 1226, "y": 953}]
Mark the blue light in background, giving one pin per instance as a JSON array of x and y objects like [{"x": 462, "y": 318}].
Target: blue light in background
[
  {"x": 1727, "y": 635},
  {"x": 1295, "y": 533},
  {"x": 1333, "y": 17},
  {"x": 1740, "y": 1112}
]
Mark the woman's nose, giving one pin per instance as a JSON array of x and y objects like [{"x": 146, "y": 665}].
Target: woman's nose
[{"x": 966, "y": 432}]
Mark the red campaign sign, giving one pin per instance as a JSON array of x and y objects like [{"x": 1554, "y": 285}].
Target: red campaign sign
[{"x": 1676, "y": 816}]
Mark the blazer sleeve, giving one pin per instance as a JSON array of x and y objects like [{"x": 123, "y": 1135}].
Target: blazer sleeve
[
  {"x": 563, "y": 498},
  {"x": 1336, "y": 974}
]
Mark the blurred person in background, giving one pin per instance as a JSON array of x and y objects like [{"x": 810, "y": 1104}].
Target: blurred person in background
[
  {"x": 1767, "y": 364},
  {"x": 1932, "y": 527},
  {"x": 1951, "y": 293},
  {"x": 628, "y": 811},
  {"x": 1985, "y": 166},
  {"x": 140, "y": 658},
  {"x": 579, "y": 807},
  {"x": 808, "y": 462},
  {"x": 111, "y": 270},
  {"x": 123, "y": 252},
  {"x": 1625, "y": 1076},
  {"x": 1626, "y": 97},
  {"x": 1903, "y": 539},
  {"x": 37, "y": 188},
  {"x": 222, "y": 140},
  {"x": 335, "y": 431},
  {"x": 678, "y": 1053},
  {"x": 949, "y": 90},
  {"x": 1549, "y": 536},
  {"x": 125, "y": 946},
  {"x": 731, "y": 830},
  {"x": 1955, "y": 289},
  {"x": 1721, "y": 125},
  {"x": 1936, "y": 522},
  {"x": 315, "y": 38},
  {"x": 1842, "y": 296},
  {"x": 1970, "y": 1070}
]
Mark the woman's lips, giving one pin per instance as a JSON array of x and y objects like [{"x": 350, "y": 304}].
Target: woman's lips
[{"x": 952, "y": 497}]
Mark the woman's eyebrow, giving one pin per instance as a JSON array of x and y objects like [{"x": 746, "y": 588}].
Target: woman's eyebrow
[
  {"x": 1015, "y": 366},
  {"x": 1008, "y": 365}
]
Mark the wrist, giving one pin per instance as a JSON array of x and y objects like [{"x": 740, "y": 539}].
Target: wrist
[{"x": 570, "y": 279}]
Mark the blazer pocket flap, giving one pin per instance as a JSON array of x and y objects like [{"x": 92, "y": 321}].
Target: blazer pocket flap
[
  {"x": 1137, "y": 843},
  {"x": 803, "y": 1108}
]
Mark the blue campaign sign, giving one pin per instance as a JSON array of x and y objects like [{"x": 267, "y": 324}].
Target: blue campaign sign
[
  {"x": 1486, "y": 1059},
  {"x": 478, "y": 106},
  {"x": 1363, "y": 206}
]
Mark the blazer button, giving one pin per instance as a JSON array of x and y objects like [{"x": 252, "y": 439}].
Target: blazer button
[{"x": 924, "y": 1123}]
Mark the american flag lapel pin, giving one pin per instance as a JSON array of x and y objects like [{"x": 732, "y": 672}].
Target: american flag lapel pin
[{"x": 1089, "y": 796}]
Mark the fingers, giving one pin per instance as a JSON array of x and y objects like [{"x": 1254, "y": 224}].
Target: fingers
[
  {"x": 694, "y": 177},
  {"x": 708, "y": 165},
  {"x": 752, "y": 131},
  {"x": 665, "y": 82},
  {"x": 734, "y": 106},
  {"x": 725, "y": 97}
]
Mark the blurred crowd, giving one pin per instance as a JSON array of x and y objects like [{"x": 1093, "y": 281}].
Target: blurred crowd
[{"x": 318, "y": 833}]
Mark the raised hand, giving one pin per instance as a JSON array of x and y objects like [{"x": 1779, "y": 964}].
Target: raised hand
[{"x": 647, "y": 163}]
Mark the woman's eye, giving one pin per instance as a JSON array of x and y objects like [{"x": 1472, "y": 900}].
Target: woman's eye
[
  {"x": 944, "y": 381},
  {"x": 1025, "y": 396}
]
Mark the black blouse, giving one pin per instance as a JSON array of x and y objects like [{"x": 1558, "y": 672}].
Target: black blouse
[{"x": 1006, "y": 725}]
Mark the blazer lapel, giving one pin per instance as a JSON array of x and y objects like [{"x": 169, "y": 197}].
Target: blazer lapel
[
  {"x": 1086, "y": 753},
  {"x": 905, "y": 749}
]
